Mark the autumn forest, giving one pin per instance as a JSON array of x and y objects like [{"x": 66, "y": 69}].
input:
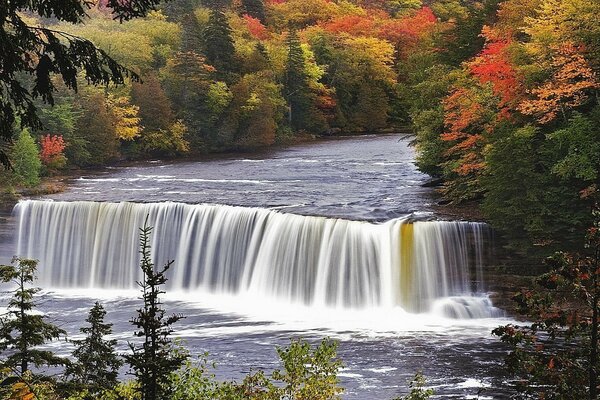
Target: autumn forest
[{"x": 500, "y": 100}]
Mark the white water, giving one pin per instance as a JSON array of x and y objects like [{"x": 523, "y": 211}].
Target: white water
[{"x": 256, "y": 253}]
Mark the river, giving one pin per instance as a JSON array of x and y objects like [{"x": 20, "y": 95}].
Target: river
[{"x": 302, "y": 242}]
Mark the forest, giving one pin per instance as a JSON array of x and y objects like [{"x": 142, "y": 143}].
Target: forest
[{"x": 502, "y": 96}]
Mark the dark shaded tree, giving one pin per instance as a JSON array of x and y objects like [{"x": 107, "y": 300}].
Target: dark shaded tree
[
  {"x": 218, "y": 43},
  {"x": 216, "y": 4},
  {"x": 40, "y": 53},
  {"x": 23, "y": 330},
  {"x": 255, "y": 8},
  {"x": 297, "y": 91},
  {"x": 556, "y": 357},
  {"x": 96, "y": 125},
  {"x": 96, "y": 365},
  {"x": 156, "y": 357},
  {"x": 155, "y": 106}
]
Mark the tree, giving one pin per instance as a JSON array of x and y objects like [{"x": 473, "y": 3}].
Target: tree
[
  {"x": 417, "y": 389},
  {"x": 218, "y": 43},
  {"x": 557, "y": 356},
  {"x": 22, "y": 329},
  {"x": 156, "y": 357},
  {"x": 570, "y": 86},
  {"x": 127, "y": 120},
  {"x": 62, "y": 119},
  {"x": 154, "y": 106},
  {"x": 97, "y": 125},
  {"x": 308, "y": 373},
  {"x": 41, "y": 52},
  {"x": 297, "y": 91},
  {"x": 255, "y": 9},
  {"x": 26, "y": 159},
  {"x": 96, "y": 365},
  {"x": 51, "y": 152}
]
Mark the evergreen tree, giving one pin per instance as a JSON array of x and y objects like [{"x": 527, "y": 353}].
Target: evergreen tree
[
  {"x": 191, "y": 34},
  {"x": 26, "y": 160},
  {"x": 216, "y": 4},
  {"x": 22, "y": 330},
  {"x": 255, "y": 8},
  {"x": 97, "y": 365},
  {"x": 297, "y": 91},
  {"x": 156, "y": 358},
  {"x": 218, "y": 43}
]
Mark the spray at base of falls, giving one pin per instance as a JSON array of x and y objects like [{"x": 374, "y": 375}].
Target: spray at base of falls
[{"x": 313, "y": 261}]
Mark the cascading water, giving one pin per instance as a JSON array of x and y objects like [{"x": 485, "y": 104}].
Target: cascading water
[{"x": 315, "y": 261}]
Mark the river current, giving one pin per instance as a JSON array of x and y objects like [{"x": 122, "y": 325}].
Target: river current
[{"x": 366, "y": 178}]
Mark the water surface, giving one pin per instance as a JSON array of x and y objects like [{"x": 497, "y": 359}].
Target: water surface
[{"x": 369, "y": 178}]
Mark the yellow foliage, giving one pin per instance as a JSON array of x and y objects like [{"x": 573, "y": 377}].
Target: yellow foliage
[{"x": 127, "y": 121}]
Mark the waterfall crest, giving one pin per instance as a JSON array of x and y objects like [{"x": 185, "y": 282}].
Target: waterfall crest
[{"x": 234, "y": 250}]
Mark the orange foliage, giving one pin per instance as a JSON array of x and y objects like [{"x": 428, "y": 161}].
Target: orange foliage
[
  {"x": 21, "y": 391},
  {"x": 406, "y": 32},
  {"x": 572, "y": 81},
  {"x": 52, "y": 147},
  {"x": 256, "y": 28},
  {"x": 463, "y": 115},
  {"x": 352, "y": 24}
]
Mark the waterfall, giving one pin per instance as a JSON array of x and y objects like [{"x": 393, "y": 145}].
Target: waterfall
[{"x": 235, "y": 250}]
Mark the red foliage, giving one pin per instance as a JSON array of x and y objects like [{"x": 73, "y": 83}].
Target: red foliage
[
  {"x": 492, "y": 65},
  {"x": 256, "y": 28},
  {"x": 52, "y": 147},
  {"x": 463, "y": 115},
  {"x": 406, "y": 32}
]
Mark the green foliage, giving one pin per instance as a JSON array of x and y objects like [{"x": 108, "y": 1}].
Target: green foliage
[
  {"x": 96, "y": 128},
  {"x": 218, "y": 43},
  {"x": 43, "y": 52},
  {"x": 309, "y": 374},
  {"x": 417, "y": 389},
  {"x": 255, "y": 8},
  {"x": 26, "y": 160},
  {"x": 166, "y": 142},
  {"x": 62, "y": 119},
  {"x": 302, "y": 113},
  {"x": 22, "y": 329},
  {"x": 556, "y": 356},
  {"x": 96, "y": 365},
  {"x": 527, "y": 202},
  {"x": 579, "y": 143},
  {"x": 156, "y": 357}
]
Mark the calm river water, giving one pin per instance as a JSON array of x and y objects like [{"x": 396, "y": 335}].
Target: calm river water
[{"x": 370, "y": 178}]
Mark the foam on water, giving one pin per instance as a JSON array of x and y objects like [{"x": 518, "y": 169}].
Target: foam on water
[{"x": 253, "y": 258}]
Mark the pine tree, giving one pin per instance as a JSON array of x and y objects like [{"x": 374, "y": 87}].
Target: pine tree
[
  {"x": 22, "y": 330},
  {"x": 255, "y": 8},
  {"x": 297, "y": 91},
  {"x": 97, "y": 365},
  {"x": 157, "y": 357},
  {"x": 218, "y": 43},
  {"x": 216, "y": 4},
  {"x": 26, "y": 160}
]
